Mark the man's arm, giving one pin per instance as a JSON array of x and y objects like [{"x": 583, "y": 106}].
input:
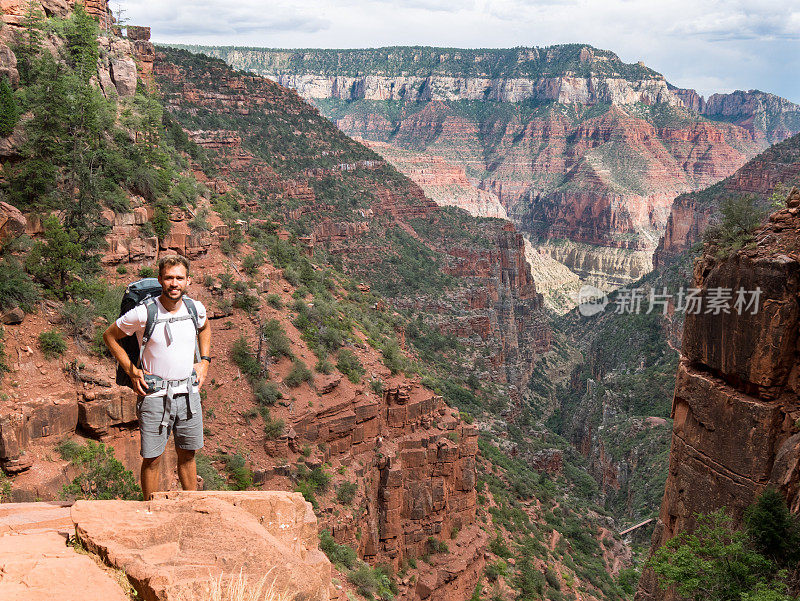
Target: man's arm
[
  {"x": 111, "y": 337},
  {"x": 204, "y": 344}
]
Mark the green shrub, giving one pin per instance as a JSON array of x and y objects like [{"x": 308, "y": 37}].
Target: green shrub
[
  {"x": 278, "y": 343},
  {"x": 226, "y": 280},
  {"x": 496, "y": 569},
  {"x": 741, "y": 215},
  {"x": 101, "y": 477},
  {"x": 247, "y": 302},
  {"x": 236, "y": 467},
  {"x": 377, "y": 386},
  {"x": 434, "y": 545},
  {"x": 273, "y": 428},
  {"x": 147, "y": 272},
  {"x": 252, "y": 262},
  {"x": 716, "y": 562},
  {"x": 498, "y": 547},
  {"x": 324, "y": 366},
  {"x": 77, "y": 318},
  {"x": 345, "y": 492},
  {"x": 52, "y": 344},
  {"x": 274, "y": 301},
  {"x": 16, "y": 287},
  {"x": 60, "y": 261},
  {"x": 69, "y": 449},
  {"x": 552, "y": 578},
  {"x": 298, "y": 374},
  {"x": 317, "y": 478},
  {"x": 529, "y": 581},
  {"x": 393, "y": 357},
  {"x": 341, "y": 556},
  {"x": 245, "y": 359},
  {"x": 4, "y": 368},
  {"x": 372, "y": 581},
  {"x": 290, "y": 275},
  {"x": 772, "y": 528},
  {"x": 349, "y": 365},
  {"x": 5, "y": 488},
  {"x": 9, "y": 109},
  {"x": 160, "y": 221},
  {"x": 267, "y": 393},
  {"x": 307, "y": 490},
  {"x": 212, "y": 480}
]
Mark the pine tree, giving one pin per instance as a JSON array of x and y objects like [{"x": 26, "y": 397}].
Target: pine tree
[{"x": 9, "y": 111}]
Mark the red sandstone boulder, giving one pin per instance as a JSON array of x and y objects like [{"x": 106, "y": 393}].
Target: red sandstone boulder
[
  {"x": 12, "y": 222},
  {"x": 180, "y": 545}
]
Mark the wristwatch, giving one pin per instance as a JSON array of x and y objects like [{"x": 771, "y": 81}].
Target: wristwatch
[{"x": 202, "y": 357}]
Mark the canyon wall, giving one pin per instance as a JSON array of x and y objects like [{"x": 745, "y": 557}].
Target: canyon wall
[
  {"x": 573, "y": 143},
  {"x": 735, "y": 407},
  {"x": 571, "y": 73},
  {"x": 765, "y": 177}
]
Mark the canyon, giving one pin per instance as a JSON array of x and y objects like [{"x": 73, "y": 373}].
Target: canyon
[
  {"x": 444, "y": 433},
  {"x": 576, "y": 146},
  {"x": 411, "y": 458}
]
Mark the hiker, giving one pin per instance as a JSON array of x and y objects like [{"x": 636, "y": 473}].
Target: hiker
[{"x": 172, "y": 366}]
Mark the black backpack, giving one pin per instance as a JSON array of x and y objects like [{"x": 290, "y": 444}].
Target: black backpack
[{"x": 145, "y": 292}]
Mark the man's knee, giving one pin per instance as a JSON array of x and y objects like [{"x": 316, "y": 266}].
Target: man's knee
[
  {"x": 151, "y": 462},
  {"x": 185, "y": 455}
]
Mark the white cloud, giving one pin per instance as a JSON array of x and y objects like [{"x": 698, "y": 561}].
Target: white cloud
[{"x": 734, "y": 43}]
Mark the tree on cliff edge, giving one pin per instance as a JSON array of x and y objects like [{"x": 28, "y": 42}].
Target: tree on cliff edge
[{"x": 718, "y": 562}]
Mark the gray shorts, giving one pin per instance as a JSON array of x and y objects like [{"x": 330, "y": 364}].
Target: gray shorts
[{"x": 184, "y": 419}]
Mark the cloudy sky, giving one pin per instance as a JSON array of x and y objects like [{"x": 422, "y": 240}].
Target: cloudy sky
[{"x": 709, "y": 45}]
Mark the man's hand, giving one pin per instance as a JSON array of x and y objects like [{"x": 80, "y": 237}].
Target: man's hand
[
  {"x": 202, "y": 370},
  {"x": 137, "y": 378}
]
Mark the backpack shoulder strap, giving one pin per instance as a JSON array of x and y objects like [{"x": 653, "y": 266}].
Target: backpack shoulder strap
[
  {"x": 192, "y": 308},
  {"x": 152, "y": 313}
]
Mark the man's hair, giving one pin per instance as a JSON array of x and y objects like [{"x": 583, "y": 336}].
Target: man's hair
[{"x": 172, "y": 261}]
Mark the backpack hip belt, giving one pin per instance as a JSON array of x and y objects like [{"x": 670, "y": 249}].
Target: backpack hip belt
[{"x": 167, "y": 389}]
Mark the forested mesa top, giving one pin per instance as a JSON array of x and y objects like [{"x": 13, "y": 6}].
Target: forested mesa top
[{"x": 547, "y": 61}]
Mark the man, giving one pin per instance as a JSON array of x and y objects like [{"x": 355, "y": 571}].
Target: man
[{"x": 169, "y": 392}]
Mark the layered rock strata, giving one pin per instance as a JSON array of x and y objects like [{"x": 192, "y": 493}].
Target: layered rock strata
[
  {"x": 598, "y": 160},
  {"x": 762, "y": 177}
]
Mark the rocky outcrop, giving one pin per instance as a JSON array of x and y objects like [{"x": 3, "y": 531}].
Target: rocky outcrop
[
  {"x": 12, "y": 223},
  {"x": 735, "y": 409},
  {"x": 181, "y": 544},
  {"x": 143, "y": 50},
  {"x": 419, "y": 466},
  {"x": 601, "y": 266},
  {"x": 39, "y": 567},
  {"x": 764, "y": 115}
]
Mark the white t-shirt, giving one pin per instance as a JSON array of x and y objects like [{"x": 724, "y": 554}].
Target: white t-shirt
[{"x": 173, "y": 361}]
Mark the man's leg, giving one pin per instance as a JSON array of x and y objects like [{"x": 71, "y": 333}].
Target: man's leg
[
  {"x": 151, "y": 470},
  {"x": 187, "y": 469}
]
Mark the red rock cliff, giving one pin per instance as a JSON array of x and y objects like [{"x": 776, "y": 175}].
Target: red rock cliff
[{"x": 735, "y": 407}]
